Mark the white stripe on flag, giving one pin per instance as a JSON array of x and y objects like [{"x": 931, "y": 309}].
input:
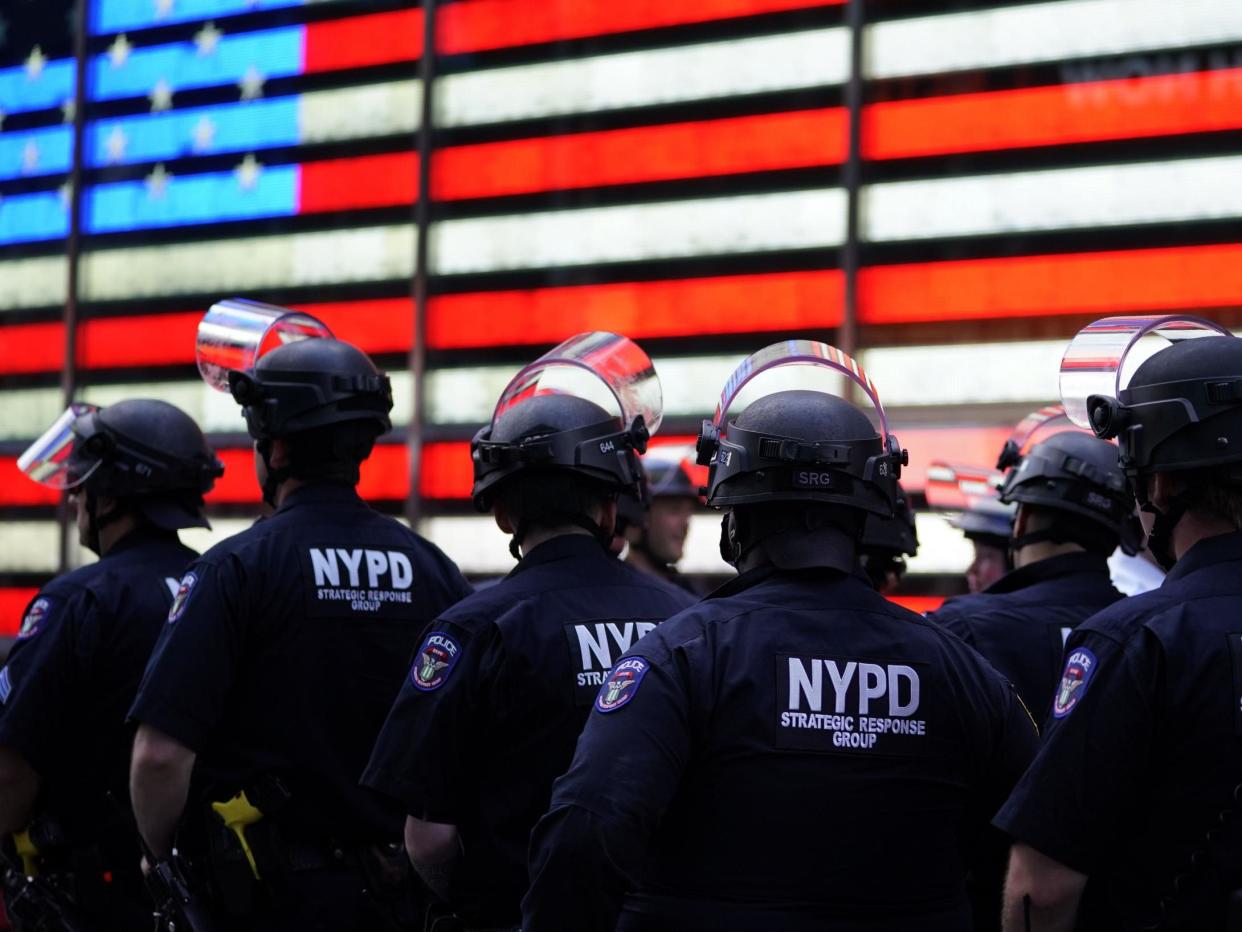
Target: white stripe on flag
[
  {"x": 357, "y": 112},
  {"x": 1055, "y": 199},
  {"x": 639, "y": 79},
  {"x": 754, "y": 223},
  {"x": 1040, "y": 32}
]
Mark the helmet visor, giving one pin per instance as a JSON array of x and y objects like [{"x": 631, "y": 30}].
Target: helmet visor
[
  {"x": 236, "y": 333},
  {"x": 604, "y": 368},
  {"x": 814, "y": 361},
  {"x": 50, "y": 460},
  {"x": 952, "y": 487},
  {"x": 1103, "y": 356}
]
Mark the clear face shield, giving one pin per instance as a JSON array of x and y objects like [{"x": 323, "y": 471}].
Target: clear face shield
[
  {"x": 52, "y": 460},
  {"x": 606, "y": 369},
  {"x": 235, "y": 334},
  {"x": 1033, "y": 429},
  {"x": 804, "y": 365}
]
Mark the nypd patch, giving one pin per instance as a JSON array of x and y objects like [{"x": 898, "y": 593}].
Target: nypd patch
[
  {"x": 36, "y": 617},
  {"x": 1079, "y": 669},
  {"x": 435, "y": 661},
  {"x": 182, "y": 598},
  {"x": 622, "y": 684},
  {"x": 6, "y": 686}
]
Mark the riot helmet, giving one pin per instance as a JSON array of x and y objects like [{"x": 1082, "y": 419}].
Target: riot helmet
[
  {"x": 886, "y": 542},
  {"x": 1167, "y": 389},
  {"x": 801, "y": 446},
  {"x": 585, "y": 409},
  {"x": 671, "y": 472},
  {"x": 292, "y": 377},
  {"x": 1072, "y": 472},
  {"x": 969, "y": 495},
  {"x": 143, "y": 451}
]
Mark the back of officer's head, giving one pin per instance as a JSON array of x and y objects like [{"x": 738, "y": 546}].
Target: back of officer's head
[
  {"x": 1205, "y": 455},
  {"x": 328, "y": 429},
  {"x": 1070, "y": 489},
  {"x": 544, "y": 496},
  {"x": 778, "y": 518}
]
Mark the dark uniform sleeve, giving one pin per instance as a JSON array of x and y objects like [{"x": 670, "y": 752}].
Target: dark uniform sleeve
[
  {"x": 587, "y": 851},
  {"x": 40, "y": 684},
  {"x": 950, "y": 618},
  {"x": 426, "y": 751},
  {"x": 197, "y": 656},
  {"x": 1080, "y": 790}
]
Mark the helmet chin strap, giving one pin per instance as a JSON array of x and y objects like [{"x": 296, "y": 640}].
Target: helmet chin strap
[
  {"x": 1160, "y": 540},
  {"x": 95, "y": 522},
  {"x": 273, "y": 476}
]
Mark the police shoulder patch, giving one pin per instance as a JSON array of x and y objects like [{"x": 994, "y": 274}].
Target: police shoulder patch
[
  {"x": 621, "y": 685},
  {"x": 180, "y": 600},
  {"x": 36, "y": 616},
  {"x": 435, "y": 661},
  {"x": 1079, "y": 669},
  {"x": 6, "y": 685}
]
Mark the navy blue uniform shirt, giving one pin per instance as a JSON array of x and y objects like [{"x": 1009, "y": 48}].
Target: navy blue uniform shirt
[
  {"x": 496, "y": 698},
  {"x": 72, "y": 675},
  {"x": 793, "y": 753},
  {"x": 284, "y": 649},
  {"x": 1021, "y": 621},
  {"x": 1143, "y": 749}
]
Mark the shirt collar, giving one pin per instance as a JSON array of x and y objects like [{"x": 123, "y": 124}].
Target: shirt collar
[
  {"x": 1220, "y": 548},
  {"x": 753, "y": 577},
  {"x": 1065, "y": 564},
  {"x": 318, "y": 493},
  {"x": 140, "y": 536},
  {"x": 561, "y": 547}
]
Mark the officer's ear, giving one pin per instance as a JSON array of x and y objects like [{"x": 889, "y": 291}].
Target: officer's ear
[
  {"x": 502, "y": 519},
  {"x": 607, "y": 518},
  {"x": 280, "y": 457},
  {"x": 1021, "y": 523},
  {"x": 1162, "y": 487}
]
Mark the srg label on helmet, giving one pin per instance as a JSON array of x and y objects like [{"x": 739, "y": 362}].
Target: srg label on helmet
[
  {"x": 363, "y": 581},
  {"x": 848, "y": 705}
]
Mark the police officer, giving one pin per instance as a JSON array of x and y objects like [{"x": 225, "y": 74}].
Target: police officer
[
  {"x": 503, "y": 681},
  {"x": 987, "y": 524},
  {"x": 658, "y": 540},
  {"x": 136, "y": 472},
  {"x": 886, "y": 542},
  {"x": 1073, "y": 511},
  {"x": 1129, "y": 815},
  {"x": 794, "y": 752},
  {"x": 283, "y": 650}
]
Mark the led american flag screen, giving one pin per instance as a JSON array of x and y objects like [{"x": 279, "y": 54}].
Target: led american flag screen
[{"x": 680, "y": 171}]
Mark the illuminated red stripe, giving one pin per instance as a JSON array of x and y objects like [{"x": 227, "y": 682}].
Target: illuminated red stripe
[
  {"x": 32, "y": 348},
  {"x": 385, "y": 476},
  {"x": 918, "y": 603},
  {"x": 1164, "y": 105},
  {"x": 474, "y": 25},
  {"x": 729, "y": 304},
  {"x": 1083, "y": 283},
  {"x": 359, "y": 41},
  {"x": 16, "y": 488},
  {"x": 478, "y": 25},
  {"x": 13, "y": 602},
  {"x": 650, "y": 153},
  {"x": 353, "y": 184}
]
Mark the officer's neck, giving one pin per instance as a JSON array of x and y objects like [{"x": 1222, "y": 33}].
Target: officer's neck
[
  {"x": 287, "y": 488},
  {"x": 1196, "y": 526},
  {"x": 1043, "y": 550},
  {"x": 539, "y": 535},
  {"x": 115, "y": 531}
]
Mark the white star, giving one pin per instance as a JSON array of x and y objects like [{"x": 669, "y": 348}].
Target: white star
[
  {"x": 35, "y": 64},
  {"x": 204, "y": 134},
  {"x": 157, "y": 182},
  {"x": 251, "y": 84},
  {"x": 248, "y": 172},
  {"x": 161, "y": 95},
  {"x": 207, "y": 38},
  {"x": 115, "y": 144},
  {"x": 30, "y": 157},
  {"x": 118, "y": 51},
  {"x": 69, "y": 108},
  {"x": 163, "y": 8}
]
